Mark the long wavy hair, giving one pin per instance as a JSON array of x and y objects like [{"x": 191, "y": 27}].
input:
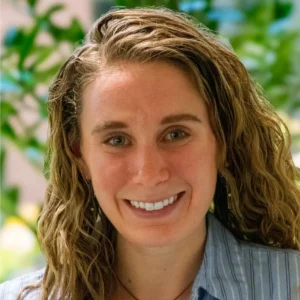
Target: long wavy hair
[{"x": 257, "y": 197}]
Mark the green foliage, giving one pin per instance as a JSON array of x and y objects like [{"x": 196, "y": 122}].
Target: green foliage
[
  {"x": 31, "y": 57},
  {"x": 172, "y": 4},
  {"x": 268, "y": 45},
  {"x": 261, "y": 34}
]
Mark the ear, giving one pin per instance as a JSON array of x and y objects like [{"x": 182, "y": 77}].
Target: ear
[{"x": 76, "y": 150}]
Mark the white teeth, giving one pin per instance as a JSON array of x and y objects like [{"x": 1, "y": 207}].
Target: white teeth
[
  {"x": 149, "y": 206},
  {"x": 135, "y": 204},
  {"x": 154, "y": 206},
  {"x": 158, "y": 205}
]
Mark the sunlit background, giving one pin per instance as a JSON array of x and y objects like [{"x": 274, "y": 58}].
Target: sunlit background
[{"x": 36, "y": 37}]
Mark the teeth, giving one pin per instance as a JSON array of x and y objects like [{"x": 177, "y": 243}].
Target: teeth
[
  {"x": 149, "y": 206},
  {"x": 154, "y": 206},
  {"x": 158, "y": 205}
]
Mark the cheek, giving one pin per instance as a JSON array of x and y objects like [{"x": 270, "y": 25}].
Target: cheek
[
  {"x": 198, "y": 164},
  {"x": 108, "y": 174},
  {"x": 199, "y": 171}
]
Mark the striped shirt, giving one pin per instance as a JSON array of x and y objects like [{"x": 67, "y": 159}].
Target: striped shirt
[
  {"x": 231, "y": 270},
  {"x": 238, "y": 270}
]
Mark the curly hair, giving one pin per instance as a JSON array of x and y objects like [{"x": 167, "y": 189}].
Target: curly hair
[{"x": 254, "y": 160}]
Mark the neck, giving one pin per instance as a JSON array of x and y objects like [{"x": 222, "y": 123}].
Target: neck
[{"x": 159, "y": 272}]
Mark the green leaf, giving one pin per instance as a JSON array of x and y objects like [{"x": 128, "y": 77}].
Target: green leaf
[
  {"x": 208, "y": 6},
  {"x": 26, "y": 81},
  {"x": 28, "y": 43},
  {"x": 43, "y": 108},
  {"x": 74, "y": 33},
  {"x": 126, "y": 3},
  {"x": 42, "y": 53},
  {"x": 14, "y": 37},
  {"x": 8, "y": 131},
  {"x": 33, "y": 143},
  {"x": 30, "y": 39},
  {"x": 2, "y": 160},
  {"x": 283, "y": 9},
  {"x": 13, "y": 195},
  {"x": 6, "y": 110},
  {"x": 57, "y": 32},
  {"x": 32, "y": 3},
  {"x": 45, "y": 75},
  {"x": 172, "y": 4},
  {"x": 51, "y": 10},
  {"x": 10, "y": 200}
]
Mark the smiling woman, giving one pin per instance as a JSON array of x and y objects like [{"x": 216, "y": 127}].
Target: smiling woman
[
  {"x": 156, "y": 142},
  {"x": 170, "y": 175}
]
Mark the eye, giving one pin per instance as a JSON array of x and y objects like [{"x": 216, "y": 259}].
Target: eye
[
  {"x": 176, "y": 135},
  {"x": 117, "y": 141}
]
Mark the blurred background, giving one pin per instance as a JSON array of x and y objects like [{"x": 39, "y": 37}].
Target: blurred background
[{"x": 37, "y": 36}]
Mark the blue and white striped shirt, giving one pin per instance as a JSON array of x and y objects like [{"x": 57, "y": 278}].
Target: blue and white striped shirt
[
  {"x": 238, "y": 270},
  {"x": 231, "y": 270}
]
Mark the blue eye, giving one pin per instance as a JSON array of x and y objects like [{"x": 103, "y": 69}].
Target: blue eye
[
  {"x": 117, "y": 141},
  {"x": 176, "y": 135}
]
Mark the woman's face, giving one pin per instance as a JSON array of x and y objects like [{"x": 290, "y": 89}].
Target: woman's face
[{"x": 146, "y": 137}]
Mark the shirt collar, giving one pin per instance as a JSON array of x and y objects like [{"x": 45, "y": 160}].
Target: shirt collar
[{"x": 222, "y": 267}]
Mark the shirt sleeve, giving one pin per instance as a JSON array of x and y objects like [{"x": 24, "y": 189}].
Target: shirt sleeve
[{"x": 10, "y": 290}]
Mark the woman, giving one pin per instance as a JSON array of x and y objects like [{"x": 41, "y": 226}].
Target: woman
[{"x": 153, "y": 121}]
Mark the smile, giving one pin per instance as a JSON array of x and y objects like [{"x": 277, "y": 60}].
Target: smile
[{"x": 150, "y": 206}]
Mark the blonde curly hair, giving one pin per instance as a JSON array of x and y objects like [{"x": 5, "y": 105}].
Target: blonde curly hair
[{"x": 254, "y": 162}]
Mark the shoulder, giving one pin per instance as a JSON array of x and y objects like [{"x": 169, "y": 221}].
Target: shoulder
[
  {"x": 235, "y": 269},
  {"x": 275, "y": 259},
  {"x": 10, "y": 290},
  {"x": 258, "y": 250},
  {"x": 276, "y": 271}
]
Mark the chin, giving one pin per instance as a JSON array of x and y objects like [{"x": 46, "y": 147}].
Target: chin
[{"x": 154, "y": 237}]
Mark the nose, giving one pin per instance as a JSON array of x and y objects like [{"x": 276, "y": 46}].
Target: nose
[{"x": 151, "y": 167}]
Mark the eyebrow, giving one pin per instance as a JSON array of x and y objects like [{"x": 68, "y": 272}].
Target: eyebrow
[
  {"x": 109, "y": 125},
  {"x": 178, "y": 118}
]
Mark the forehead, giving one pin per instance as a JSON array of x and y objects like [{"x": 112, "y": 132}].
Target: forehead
[{"x": 148, "y": 89}]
